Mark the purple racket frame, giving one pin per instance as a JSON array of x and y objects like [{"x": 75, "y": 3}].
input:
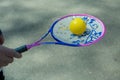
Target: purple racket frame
[{"x": 59, "y": 42}]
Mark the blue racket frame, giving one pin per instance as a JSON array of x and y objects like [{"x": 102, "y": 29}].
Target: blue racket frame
[{"x": 60, "y": 42}]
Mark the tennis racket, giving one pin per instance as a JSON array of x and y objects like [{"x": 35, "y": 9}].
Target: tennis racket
[{"x": 60, "y": 32}]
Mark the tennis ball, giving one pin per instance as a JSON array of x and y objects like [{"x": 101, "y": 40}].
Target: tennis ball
[{"x": 77, "y": 26}]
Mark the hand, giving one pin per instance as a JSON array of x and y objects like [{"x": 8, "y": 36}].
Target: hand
[{"x": 6, "y": 54}]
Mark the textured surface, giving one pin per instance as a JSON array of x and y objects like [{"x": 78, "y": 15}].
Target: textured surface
[{"x": 23, "y": 21}]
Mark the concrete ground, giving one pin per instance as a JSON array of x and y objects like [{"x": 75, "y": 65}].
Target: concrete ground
[{"x": 24, "y": 21}]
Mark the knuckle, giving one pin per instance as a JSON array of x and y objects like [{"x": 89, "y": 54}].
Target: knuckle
[
  {"x": 11, "y": 60},
  {"x": 5, "y": 64}
]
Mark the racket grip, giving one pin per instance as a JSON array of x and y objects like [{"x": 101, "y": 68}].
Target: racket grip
[{"x": 21, "y": 49}]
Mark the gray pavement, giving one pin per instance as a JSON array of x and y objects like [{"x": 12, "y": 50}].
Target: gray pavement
[{"x": 24, "y": 21}]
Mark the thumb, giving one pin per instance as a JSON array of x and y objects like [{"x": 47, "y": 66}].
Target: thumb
[
  {"x": 13, "y": 53},
  {"x": 10, "y": 52},
  {"x": 17, "y": 55}
]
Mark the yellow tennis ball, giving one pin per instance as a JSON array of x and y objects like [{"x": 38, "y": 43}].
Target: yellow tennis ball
[{"x": 77, "y": 26}]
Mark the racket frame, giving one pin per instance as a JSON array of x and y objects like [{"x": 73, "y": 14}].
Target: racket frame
[{"x": 59, "y": 42}]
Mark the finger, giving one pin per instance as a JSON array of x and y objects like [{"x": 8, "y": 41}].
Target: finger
[
  {"x": 6, "y": 59},
  {"x": 17, "y": 55},
  {"x": 4, "y": 64},
  {"x": 9, "y": 60},
  {"x": 10, "y": 52},
  {"x": 13, "y": 53}
]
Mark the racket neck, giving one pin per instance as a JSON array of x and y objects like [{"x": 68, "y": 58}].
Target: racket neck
[{"x": 38, "y": 42}]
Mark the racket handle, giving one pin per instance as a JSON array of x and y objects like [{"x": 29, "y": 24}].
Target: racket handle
[{"x": 21, "y": 49}]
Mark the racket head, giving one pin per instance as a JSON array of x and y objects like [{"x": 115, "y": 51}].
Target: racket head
[{"x": 94, "y": 32}]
